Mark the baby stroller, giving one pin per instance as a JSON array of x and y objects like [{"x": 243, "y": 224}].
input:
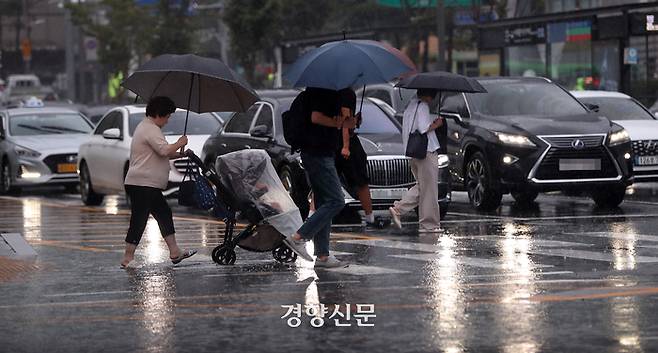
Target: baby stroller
[{"x": 248, "y": 183}]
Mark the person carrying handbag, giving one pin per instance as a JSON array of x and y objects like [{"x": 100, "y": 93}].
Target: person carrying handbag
[{"x": 417, "y": 127}]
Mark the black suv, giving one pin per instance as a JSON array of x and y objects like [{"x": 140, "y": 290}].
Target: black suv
[{"x": 529, "y": 135}]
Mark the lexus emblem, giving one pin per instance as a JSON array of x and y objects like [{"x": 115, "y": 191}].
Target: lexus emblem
[
  {"x": 72, "y": 158},
  {"x": 578, "y": 144}
]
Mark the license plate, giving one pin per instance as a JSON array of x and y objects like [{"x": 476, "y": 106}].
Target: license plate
[
  {"x": 66, "y": 168},
  {"x": 387, "y": 194},
  {"x": 580, "y": 164},
  {"x": 647, "y": 160}
]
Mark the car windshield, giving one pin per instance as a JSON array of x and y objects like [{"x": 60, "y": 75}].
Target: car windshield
[
  {"x": 532, "y": 98},
  {"x": 375, "y": 121},
  {"x": 48, "y": 124},
  {"x": 197, "y": 124},
  {"x": 617, "y": 108}
]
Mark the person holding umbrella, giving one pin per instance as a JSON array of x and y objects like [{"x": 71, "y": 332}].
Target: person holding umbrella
[
  {"x": 318, "y": 153},
  {"x": 425, "y": 193},
  {"x": 147, "y": 176}
]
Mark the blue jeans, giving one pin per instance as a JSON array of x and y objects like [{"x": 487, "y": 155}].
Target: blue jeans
[{"x": 328, "y": 197}]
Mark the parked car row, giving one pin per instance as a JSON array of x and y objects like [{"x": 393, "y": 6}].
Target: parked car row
[{"x": 523, "y": 137}]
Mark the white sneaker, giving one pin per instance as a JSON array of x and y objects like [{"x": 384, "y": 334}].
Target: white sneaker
[
  {"x": 395, "y": 217},
  {"x": 298, "y": 247},
  {"x": 330, "y": 262}
]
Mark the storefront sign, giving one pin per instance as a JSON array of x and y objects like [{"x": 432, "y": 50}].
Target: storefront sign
[
  {"x": 630, "y": 56},
  {"x": 644, "y": 23},
  {"x": 652, "y": 24},
  {"x": 569, "y": 31},
  {"x": 531, "y": 34}
]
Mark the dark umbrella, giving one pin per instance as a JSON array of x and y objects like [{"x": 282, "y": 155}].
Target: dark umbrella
[
  {"x": 443, "y": 82},
  {"x": 194, "y": 83},
  {"x": 348, "y": 63}
]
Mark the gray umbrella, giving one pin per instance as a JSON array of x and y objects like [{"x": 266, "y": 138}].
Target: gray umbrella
[
  {"x": 443, "y": 82},
  {"x": 194, "y": 83}
]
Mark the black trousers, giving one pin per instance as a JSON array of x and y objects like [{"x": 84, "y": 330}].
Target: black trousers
[{"x": 145, "y": 201}]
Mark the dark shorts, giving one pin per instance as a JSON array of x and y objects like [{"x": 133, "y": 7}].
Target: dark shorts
[
  {"x": 354, "y": 169},
  {"x": 145, "y": 201}
]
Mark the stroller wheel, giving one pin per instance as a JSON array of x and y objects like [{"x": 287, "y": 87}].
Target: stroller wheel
[
  {"x": 223, "y": 255},
  {"x": 284, "y": 254}
]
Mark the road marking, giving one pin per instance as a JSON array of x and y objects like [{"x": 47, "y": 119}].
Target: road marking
[
  {"x": 436, "y": 248},
  {"x": 622, "y": 236},
  {"x": 471, "y": 261},
  {"x": 595, "y": 294},
  {"x": 588, "y": 255},
  {"x": 87, "y": 293},
  {"x": 362, "y": 270}
]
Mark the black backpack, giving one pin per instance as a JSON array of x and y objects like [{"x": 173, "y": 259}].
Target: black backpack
[{"x": 295, "y": 122}]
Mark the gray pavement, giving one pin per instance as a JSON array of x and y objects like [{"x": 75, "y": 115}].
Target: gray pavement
[{"x": 561, "y": 276}]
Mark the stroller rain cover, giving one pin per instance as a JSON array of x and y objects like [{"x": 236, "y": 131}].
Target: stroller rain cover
[{"x": 253, "y": 179}]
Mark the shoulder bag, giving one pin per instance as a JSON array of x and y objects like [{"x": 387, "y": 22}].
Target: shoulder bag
[{"x": 417, "y": 143}]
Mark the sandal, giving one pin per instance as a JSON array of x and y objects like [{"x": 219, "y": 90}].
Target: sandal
[{"x": 184, "y": 255}]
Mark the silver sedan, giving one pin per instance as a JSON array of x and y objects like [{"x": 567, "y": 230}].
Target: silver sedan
[{"x": 39, "y": 145}]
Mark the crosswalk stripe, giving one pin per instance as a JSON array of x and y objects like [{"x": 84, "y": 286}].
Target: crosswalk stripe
[
  {"x": 470, "y": 261},
  {"x": 588, "y": 255},
  {"x": 362, "y": 270},
  {"x": 622, "y": 236}
]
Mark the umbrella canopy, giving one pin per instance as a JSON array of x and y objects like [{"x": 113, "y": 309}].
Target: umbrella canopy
[
  {"x": 442, "y": 81},
  {"x": 195, "y": 83},
  {"x": 348, "y": 63}
]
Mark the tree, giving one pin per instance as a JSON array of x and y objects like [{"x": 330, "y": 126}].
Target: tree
[
  {"x": 257, "y": 26},
  {"x": 123, "y": 33},
  {"x": 173, "y": 31}
]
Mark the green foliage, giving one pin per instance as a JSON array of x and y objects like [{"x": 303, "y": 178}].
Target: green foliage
[{"x": 130, "y": 31}]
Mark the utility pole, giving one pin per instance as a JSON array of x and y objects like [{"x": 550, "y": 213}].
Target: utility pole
[
  {"x": 441, "y": 34},
  {"x": 70, "y": 59}
]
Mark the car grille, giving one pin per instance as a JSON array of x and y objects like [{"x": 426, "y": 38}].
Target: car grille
[
  {"x": 53, "y": 160},
  {"x": 549, "y": 169},
  {"x": 390, "y": 172},
  {"x": 645, "y": 147},
  {"x": 566, "y": 141},
  {"x": 181, "y": 165}
]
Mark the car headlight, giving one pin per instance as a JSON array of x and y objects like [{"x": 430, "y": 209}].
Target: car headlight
[
  {"x": 514, "y": 140},
  {"x": 26, "y": 152},
  {"x": 618, "y": 137},
  {"x": 443, "y": 160}
]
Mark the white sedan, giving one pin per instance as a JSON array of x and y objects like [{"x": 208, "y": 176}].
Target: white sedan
[
  {"x": 103, "y": 158},
  {"x": 641, "y": 125}
]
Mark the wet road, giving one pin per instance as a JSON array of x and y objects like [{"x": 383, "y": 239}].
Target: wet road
[{"x": 561, "y": 276}]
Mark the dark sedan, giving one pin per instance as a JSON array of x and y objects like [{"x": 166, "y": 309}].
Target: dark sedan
[{"x": 260, "y": 127}]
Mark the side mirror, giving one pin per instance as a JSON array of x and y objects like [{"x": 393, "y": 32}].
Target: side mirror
[
  {"x": 261, "y": 131},
  {"x": 456, "y": 117},
  {"x": 112, "y": 134},
  {"x": 593, "y": 107}
]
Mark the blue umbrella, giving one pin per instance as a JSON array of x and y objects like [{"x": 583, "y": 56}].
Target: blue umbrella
[{"x": 348, "y": 63}]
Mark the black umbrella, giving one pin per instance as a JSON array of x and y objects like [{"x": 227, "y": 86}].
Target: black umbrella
[
  {"x": 443, "y": 82},
  {"x": 194, "y": 83}
]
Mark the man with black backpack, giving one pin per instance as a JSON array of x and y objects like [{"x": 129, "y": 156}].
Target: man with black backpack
[{"x": 321, "y": 123}]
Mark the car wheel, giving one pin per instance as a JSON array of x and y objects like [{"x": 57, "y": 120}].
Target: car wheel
[
  {"x": 482, "y": 192},
  {"x": 298, "y": 196},
  {"x": 609, "y": 197},
  {"x": 6, "y": 187},
  {"x": 89, "y": 197},
  {"x": 525, "y": 196}
]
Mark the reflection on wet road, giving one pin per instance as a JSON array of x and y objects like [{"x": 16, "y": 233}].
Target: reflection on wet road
[{"x": 558, "y": 276}]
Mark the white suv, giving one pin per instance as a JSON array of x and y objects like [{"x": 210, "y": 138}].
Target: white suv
[
  {"x": 638, "y": 121},
  {"x": 103, "y": 158}
]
